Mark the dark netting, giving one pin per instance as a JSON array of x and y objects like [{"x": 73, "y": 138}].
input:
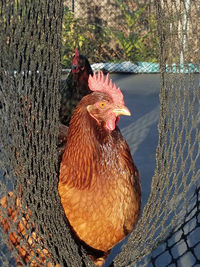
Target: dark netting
[
  {"x": 30, "y": 45},
  {"x": 168, "y": 231}
]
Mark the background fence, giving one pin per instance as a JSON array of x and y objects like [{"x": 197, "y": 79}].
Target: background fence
[
  {"x": 126, "y": 31},
  {"x": 107, "y": 32},
  {"x": 111, "y": 31}
]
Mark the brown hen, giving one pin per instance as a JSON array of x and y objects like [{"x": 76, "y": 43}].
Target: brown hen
[{"x": 99, "y": 184}]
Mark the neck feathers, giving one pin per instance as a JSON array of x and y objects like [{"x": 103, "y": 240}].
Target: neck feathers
[{"x": 89, "y": 151}]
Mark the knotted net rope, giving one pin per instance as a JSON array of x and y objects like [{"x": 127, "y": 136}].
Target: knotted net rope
[
  {"x": 30, "y": 71},
  {"x": 167, "y": 233},
  {"x": 30, "y": 44}
]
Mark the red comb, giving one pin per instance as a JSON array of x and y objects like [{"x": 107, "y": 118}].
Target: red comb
[
  {"x": 75, "y": 59},
  {"x": 97, "y": 83},
  {"x": 76, "y": 52}
]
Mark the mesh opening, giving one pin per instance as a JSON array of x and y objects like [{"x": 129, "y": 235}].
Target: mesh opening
[{"x": 30, "y": 73}]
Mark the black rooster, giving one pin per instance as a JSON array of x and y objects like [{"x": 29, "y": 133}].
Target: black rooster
[
  {"x": 72, "y": 90},
  {"x": 75, "y": 87}
]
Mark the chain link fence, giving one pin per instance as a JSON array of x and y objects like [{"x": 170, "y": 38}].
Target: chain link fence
[
  {"x": 37, "y": 40},
  {"x": 115, "y": 36}
]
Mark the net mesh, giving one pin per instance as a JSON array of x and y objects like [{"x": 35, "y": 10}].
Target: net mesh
[{"x": 30, "y": 71}]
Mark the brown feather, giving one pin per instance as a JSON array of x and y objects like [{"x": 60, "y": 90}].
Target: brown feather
[{"x": 99, "y": 184}]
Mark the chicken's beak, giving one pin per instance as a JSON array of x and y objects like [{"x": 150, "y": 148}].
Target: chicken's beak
[{"x": 122, "y": 111}]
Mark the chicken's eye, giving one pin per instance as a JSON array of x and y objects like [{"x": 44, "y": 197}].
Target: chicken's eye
[{"x": 102, "y": 104}]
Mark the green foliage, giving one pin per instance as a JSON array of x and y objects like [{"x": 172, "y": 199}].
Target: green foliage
[
  {"x": 136, "y": 42},
  {"x": 91, "y": 39},
  {"x": 73, "y": 36},
  {"x": 131, "y": 41}
]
